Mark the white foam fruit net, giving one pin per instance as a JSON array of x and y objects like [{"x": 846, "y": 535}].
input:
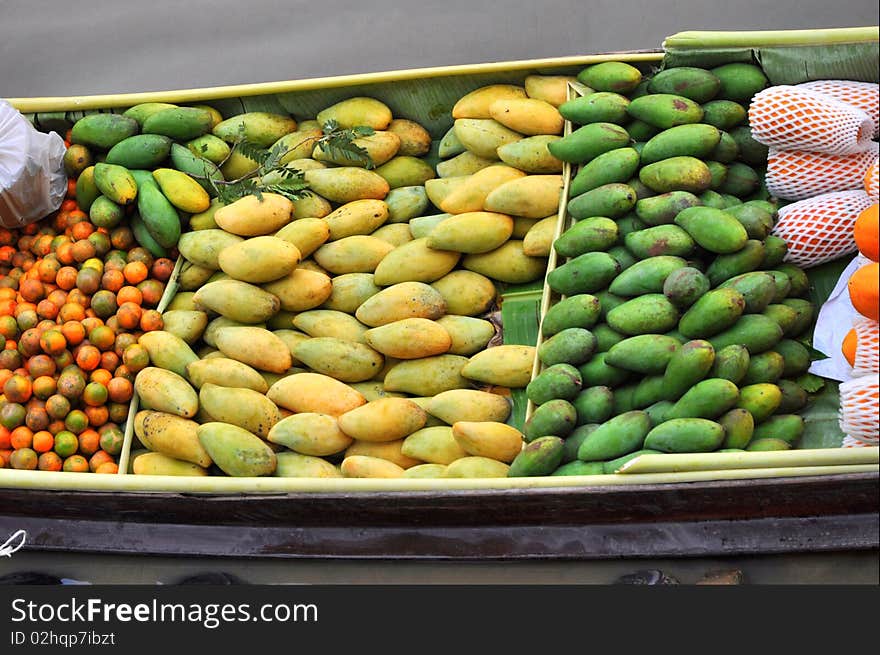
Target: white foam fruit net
[
  {"x": 862, "y": 95},
  {"x": 872, "y": 180},
  {"x": 859, "y": 408},
  {"x": 800, "y": 119},
  {"x": 820, "y": 229},
  {"x": 799, "y": 174},
  {"x": 867, "y": 359}
]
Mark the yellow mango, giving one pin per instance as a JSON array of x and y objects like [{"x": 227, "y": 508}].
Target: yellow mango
[
  {"x": 404, "y": 171},
  {"x": 483, "y": 136},
  {"x": 425, "y": 471},
  {"x": 469, "y": 405},
  {"x": 550, "y": 88},
  {"x": 399, "y": 301},
  {"x": 188, "y": 324},
  {"x": 531, "y": 155},
  {"x": 254, "y": 346},
  {"x": 507, "y": 263},
  {"x": 309, "y": 433},
  {"x": 353, "y": 112},
  {"x": 466, "y": 293},
  {"x": 167, "y": 351},
  {"x": 409, "y": 338},
  {"x": 307, "y": 234},
  {"x": 311, "y": 205},
  {"x": 192, "y": 276},
  {"x": 171, "y": 435},
  {"x": 237, "y": 300},
  {"x": 533, "y": 196},
  {"x": 203, "y": 246},
  {"x": 166, "y": 391},
  {"x": 474, "y": 466},
  {"x": 386, "y": 419},
  {"x": 406, "y": 202},
  {"x": 312, "y": 265},
  {"x": 205, "y": 220},
  {"x": 225, "y": 372},
  {"x": 358, "y": 253},
  {"x": 283, "y": 320},
  {"x": 538, "y": 241},
  {"x": 344, "y": 360},
  {"x": 302, "y": 165},
  {"x": 438, "y": 189},
  {"x": 507, "y": 365},
  {"x": 330, "y": 323},
  {"x": 298, "y": 144},
  {"x": 476, "y": 104},
  {"x": 379, "y": 146},
  {"x": 258, "y": 127},
  {"x": 361, "y": 466},
  {"x": 291, "y": 339},
  {"x": 424, "y": 402},
  {"x": 347, "y": 183},
  {"x": 182, "y": 191},
  {"x": 356, "y": 217},
  {"x": 250, "y": 216},
  {"x": 435, "y": 445},
  {"x": 415, "y": 140},
  {"x": 294, "y": 465},
  {"x": 183, "y": 300},
  {"x": 390, "y": 450},
  {"x": 522, "y": 225},
  {"x": 208, "y": 336},
  {"x": 246, "y": 408},
  {"x": 300, "y": 290},
  {"x": 236, "y": 451},
  {"x": 468, "y": 334},
  {"x": 491, "y": 439},
  {"x": 422, "y": 226},
  {"x": 237, "y": 166},
  {"x": 466, "y": 163},
  {"x": 528, "y": 116},
  {"x": 427, "y": 376},
  {"x": 414, "y": 261},
  {"x": 471, "y": 232},
  {"x": 350, "y": 291},
  {"x": 259, "y": 259},
  {"x": 471, "y": 195},
  {"x": 159, "y": 464}
]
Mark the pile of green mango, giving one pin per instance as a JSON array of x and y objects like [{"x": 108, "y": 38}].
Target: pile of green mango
[{"x": 675, "y": 326}]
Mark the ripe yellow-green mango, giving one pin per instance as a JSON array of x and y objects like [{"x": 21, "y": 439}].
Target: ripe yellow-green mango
[
  {"x": 159, "y": 464},
  {"x": 468, "y": 334},
  {"x": 188, "y": 324},
  {"x": 427, "y": 376},
  {"x": 449, "y": 145},
  {"x": 294, "y": 465},
  {"x": 425, "y": 471},
  {"x": 389, "y": 450},
  {"x": 357, "y": 111},
  {"x": 166, "y": 391},
  {"x": 330, "y": 323},
  {"x": 424, "y": 402},
  {"x": 245, "y": 408},
  {"x": 203, "y": 246},
  {"x": 405, "y": 170},
  {"x": 527, "y": 116},
  {"x": 258, "y": 127},
  {"x": 240, "y": 301},
  {"x": 299, "y": 144},
  {"x": 422, "y": 226},
  {"x": 379, "y": 146},
  {"x": 399, "y": 301},
  {"x": 538, "y": 241},
  {"x": 522, "y": 225},
  {"x": 471, "y": 232},
  {"x": 507, "y": 263},
  {"x": 307, "y": 234},
  {"x": 475, "y": 466},
  {"x": 507, "y": 365},
  {"x": 252, "y": 217},
  {"x": 491, "y": 439},
  {"x": 469, "y": 405},
  {"x": 415, "y": 140},
  {"x": 309, "y": 433},
  {"x": 143, "y": 110},
  {"x": 466, "y": 163},
  {"x": 434, "y": 445},
  {"x": 225, "y": 372},
  {"x": 182, "y": 191},
  {"x": 182, "y": 300},
  {"x": 192, "y": 276},
  {"x": 300, "y": 290},
  {"x": 386, "y": 419},
  {"x": 356, "y": 217},
  {"x": 314, "y": 392},
  {"x": 216, "y": 116},
  {"x": 373, "y": 390},
  {"x": 205, "y": 220},
  {"x": 409, "y": 338},
  {"x": 532, "y": 196},
  {"x": 347, "y": 183},
  {"x": 466, "y": 293},
  {"x": 406, "y": 202},
  {"x": 476, "y": 104},
  {"x": 259, "y": 259},
  {"x": 530, "y": 155},
  {"x": 311, "y": 206},
  {"x": 237, "y": 166},
  {"x": 254, "y": 346},
  {"x": 358, "y": 253},
  {"x": 361, "y": 466},
  {"x": 212, "y": 148},
  {"x": 220, "y": 322},
  {"x": 471, "y": 194},
  {"x": 171, "y": 435},
  {"x": 483, "y": 136},
  {"x": 291, "y": 339},
  {"x": 347, "y": 361},
  {"x": 167, "y": 351},
  {"x": 414, "y": 261},
  {"x": 115, "y": 182},
  {"x": 103, "y": 131},
  {"x": 236, "y": 451},
  {"x": 550, "y": 88},
  {"x": 350, "y": 291},
  {"x": 440, "y": 188}
]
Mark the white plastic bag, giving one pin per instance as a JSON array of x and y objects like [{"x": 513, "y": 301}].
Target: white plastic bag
[{"x": 32, "y": 178}]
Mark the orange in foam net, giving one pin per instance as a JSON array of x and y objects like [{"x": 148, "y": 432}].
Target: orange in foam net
[
  {"x": 867, "y": 233},
  {"x": 872, "y": 180},
  {"x": 798, "y": 174},
  {"x": 863, "y": 291},
  {"x": 862, "y": 95}
]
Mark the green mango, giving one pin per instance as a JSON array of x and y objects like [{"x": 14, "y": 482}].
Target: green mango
[
  {"x": 158, "y": 214},
  {"x": 713, "y": 229},
  {"x": 103, "y": 131},
  {"x": 717, "y": 174},
  {"x": 556, "y": 417},
  {"x": 198, "y": 168},
  {"x": 651, "y": 313},
  {"x": 797, "y": 357},
  {"x": 710, "y": 198},
  {"x": 698, "y": 84},
  {"x": 606, "y": 337},
  {"x": 577, "y": 311},
  {"x": 686, "y": 435},
  {"x": 600, "y": 107},
  {"x": 731, "y": 363},
  {"x": 540, "y": 457},
  {"x": 608, "y": 301},
  {"x": 140, "y": 151},
  {"x": 598, "y": 373},
  {"x": 646, "y": 276},
  {"x": 570, "y": 346},
  {"x": 805, "y": 311},
  {"x": 660, "y": 240},
  {"x": 757, "y": 221},
  {"x": 622, "y": 256},
  {"x": 450, "y": 145},
  {"x": 580, "y": 468},
  {"x": 742, "y": 180},
  {"x": 665, "y": 110},
  {"x": 106, "y": 213},
  {"x": 645, "y": 353},
  {"x": 629, "y": 223},
  {"x": 588, "y": 142},
  {"x": 556, "y": 381},
  {"x": 209, "y": 147},
  {"x": 609, "y": 200},
  {"x": 593, "y": 405},
  {"x": 758, "y": 288},
  {"x": 800, "y": 283},
  {"x": 693, "y": 140},
  {"x": 640, "y": 131},
  {"x": 235, "y": 451},
  {"x": 750, "y": 151},
  {"x": 794, "y": 396},
  {"x": 179, "y": 123},
  {"x": 727, "y": 149},
  {"x": 739, "y": 81},
  {"x": 765, "y": 367},
  {"x": 761, "y": 400},
  {"x": 739, "y": 425},
  {"x": 649, "y": 391},
  {"x": 589, "y": 235},
  {"x": 724, "y": 114},
  {"x": 144, "y": 238},
  {"x": 786, "y": 427},
  {"x": 405, "y": 203},
  {"x": 684, "y": 286},
  {"x": 658, "y": 411},
  {"x": 756, "y": 332},
  {"x": 709, "y": 398},
  {"x": 141, "y": 111},
  {"x": 662, "y": 209},
  {"x": 614, "y": 166},
  {"x": 680, "y": 173},
  {"x": 768, "y": 444},
  {"x": 614, "y": 76},
  {"x": 116, "y": 182},
  {"x": 745, "y": 260},
  {"x": 574, "y": 440},
  {"x": 688, "y": 365},
  {"x": 618, "y": 436},
  {"x": 784, "y": 316},
  {"x": 585, "y": 273}
]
